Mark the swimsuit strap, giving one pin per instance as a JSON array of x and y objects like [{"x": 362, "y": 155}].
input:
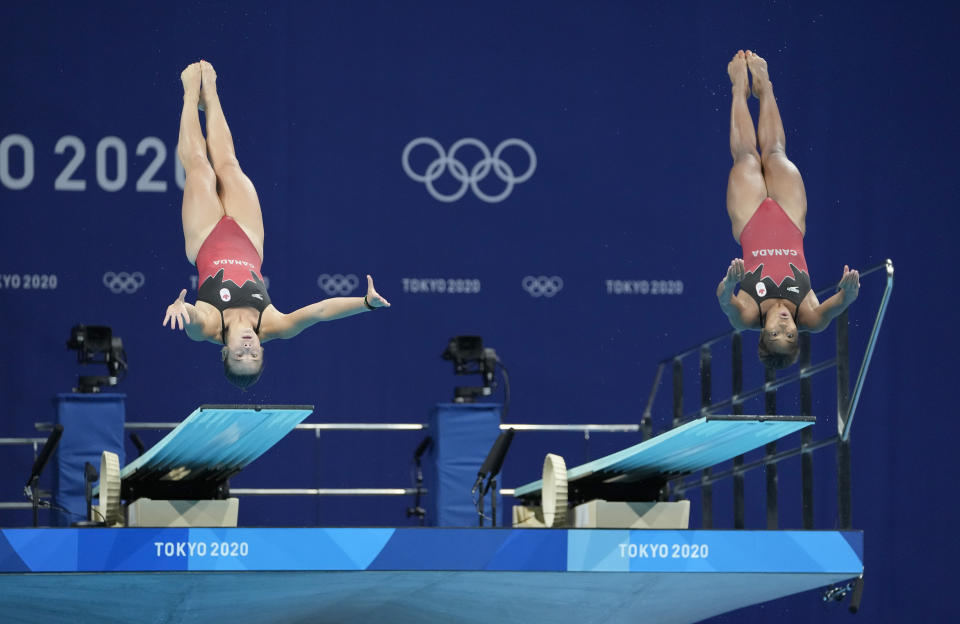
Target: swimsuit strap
[{"x": 223, "y": 329}]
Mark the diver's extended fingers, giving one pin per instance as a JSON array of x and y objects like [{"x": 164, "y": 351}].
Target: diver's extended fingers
[{"x": 172, "y": 317}]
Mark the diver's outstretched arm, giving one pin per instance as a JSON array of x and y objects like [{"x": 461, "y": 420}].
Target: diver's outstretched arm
[
  {"x": 742, "y": 315},
  {"x": 289, "y": 325},
  {"x": 848, "y": 290},
  {"x": 186, "y": 316}
]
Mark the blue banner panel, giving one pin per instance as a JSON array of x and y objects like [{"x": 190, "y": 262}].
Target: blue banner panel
[
  {"x": 285, "y": 549},
  {"x": 42, "y": 550},
  {"x": 471, "y": 549},
  {"x": 129, "y": 550},
  {"x": 529, "y": 550},
  {"x": 9, "y": 559},
  {"x": 711, "y": 551}
]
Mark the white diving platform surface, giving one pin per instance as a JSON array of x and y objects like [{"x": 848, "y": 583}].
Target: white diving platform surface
[
  {"x": 693, "y": 446},
  {"x": 212, "y": 444},
  {"x": 415, "y": 575}
]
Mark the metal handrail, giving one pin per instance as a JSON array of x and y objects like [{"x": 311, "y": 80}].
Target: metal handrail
[
  {"x": 325, "y": 491},
  {"x": 618, "y": 428},
  {"x": 35, "y": 443},
  {"x": 318, "y": 427},
  {"x": 744, "y": 468},
  {"x": 21, "y": 441},
  {"x": 868, "y": 354},
  {"x": 770, "y": 386},
  {"x": 301, "y": 427},
  {"x": 332, "y": 492},
  {"x": 585, "y": 428}
]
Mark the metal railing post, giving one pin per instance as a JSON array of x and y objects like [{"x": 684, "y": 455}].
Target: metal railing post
[
  {"x": 771, "y": 450},
  {"x": 844, "y": 504},
  {"x": 806, "y": 436},
  {"x": 646, "y": 421},
  {"x": 739, "y": 504},
  {"x": 706, "y": 492},
  {"x": 677, "y": 392}
]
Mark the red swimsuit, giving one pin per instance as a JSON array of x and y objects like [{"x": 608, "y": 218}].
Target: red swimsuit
[
  {"x": 229, "y": 269},
  {"x": 228, "y": 248},
  {"x": 773, "y": 256}
]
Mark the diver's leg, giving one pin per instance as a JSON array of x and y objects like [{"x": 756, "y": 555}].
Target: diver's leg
[
  {"x": 782, "y": 178},
  {"x": 237, "y": 193},
  {"x": 201, "y": 209},
  {"x": 745, "y": 185}
]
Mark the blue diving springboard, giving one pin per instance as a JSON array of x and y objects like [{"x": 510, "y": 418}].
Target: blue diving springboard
[
  {"x": 693, "y": 446},
  {"x": 212, "y": 444}
]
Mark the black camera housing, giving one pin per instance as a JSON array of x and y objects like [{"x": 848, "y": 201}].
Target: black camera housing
[
  {"x": 96, "y": 344},
  {"x": 469, "y": 357}
]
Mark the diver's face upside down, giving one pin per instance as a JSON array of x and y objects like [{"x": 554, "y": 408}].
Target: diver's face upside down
[
  {"x": 780, "y": 330},
  {"x": 243, "y": 352}
]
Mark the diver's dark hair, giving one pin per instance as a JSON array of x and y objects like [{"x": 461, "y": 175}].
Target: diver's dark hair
[
  {"x": 242, "y": 381},
  {"x": 772, "y": 359}
]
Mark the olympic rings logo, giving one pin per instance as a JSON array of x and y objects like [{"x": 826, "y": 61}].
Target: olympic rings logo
[
  {"x": 123, "y": 282},
  {"x": 337, "y": 284},
  {"x": 541, "y": 285},
  {"x": 469, "y": 178}
]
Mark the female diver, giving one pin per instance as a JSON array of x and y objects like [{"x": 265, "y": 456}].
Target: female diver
[
  {"x": 223, "y": 233},
  {"x": 767, "y": 205}
]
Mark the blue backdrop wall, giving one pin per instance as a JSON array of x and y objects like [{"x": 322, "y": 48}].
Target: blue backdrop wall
[{"x": 599, "y": 260}]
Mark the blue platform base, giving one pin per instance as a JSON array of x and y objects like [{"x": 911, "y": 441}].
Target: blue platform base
[
  {"x": 462, "y": 436},
  {"x": 260, "y": 576},
  {"x": 92, "y": 423}
]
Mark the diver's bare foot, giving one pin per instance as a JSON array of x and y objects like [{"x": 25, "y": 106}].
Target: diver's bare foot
[
  {"x": 737, "y": 68},
  {"x": 758, "y": 70},
  {"x": 190, "y": 77},
  {"x": 208, "y": 87}
]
